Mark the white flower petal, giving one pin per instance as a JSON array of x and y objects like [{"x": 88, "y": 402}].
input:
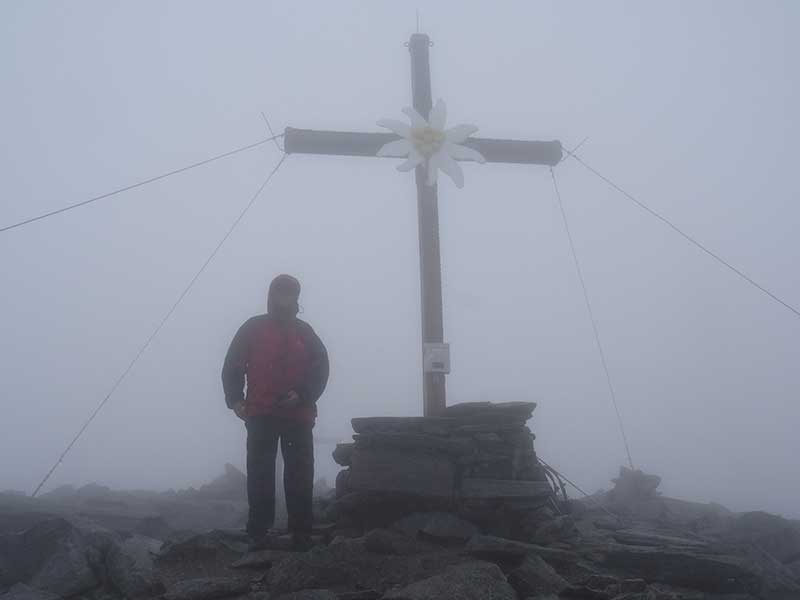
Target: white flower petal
[
  {"x": 460, "y": 152},
  {"x": 452, "y": 168},
  {"x": 438, "y": 115},
  {"x": 398, "y": 127},
  {"x": 414, "y": 159},
  {"x": 417, "y": 120},
  {"x": 396, "y": 148},
  {"x": 460, "y": 133},
  {"x": 434, "y": 163}
]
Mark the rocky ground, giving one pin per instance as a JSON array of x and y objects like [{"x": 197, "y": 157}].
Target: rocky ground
[{"x": 627, "y": 544}]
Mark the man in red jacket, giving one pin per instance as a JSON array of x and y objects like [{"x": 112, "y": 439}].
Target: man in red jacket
[{"x": 285, "y": 366}]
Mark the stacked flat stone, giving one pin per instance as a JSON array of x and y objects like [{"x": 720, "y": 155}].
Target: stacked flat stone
[{"x": 473, "y": 454}]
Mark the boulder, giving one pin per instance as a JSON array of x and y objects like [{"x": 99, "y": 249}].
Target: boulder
[
  {"x": 413, "y": 442},
  {"x": 207, "y": 588},
  {"x": 359, "y": 595},
  {"x": 554, "y": 530},
  {"x": 343, "y": 454},
  {"x": 230, "y": 485},
  {"x": 503, "y": 550},
  {"x": 534, "y": 576},
  {"x": 432, "y": 425},
  {"x": 20, "y": 591},
  {"x": 633, "y": 486},
  {"x": 436, "y": 526},
  {"x": 130, "y": 567},
  {"x": 309, "y": 595},
  {"x": 521, "y": 410},
  {"x": 474, "y": 488},
  {"x": 193, "y": 546},
  {"x": 53, "y": 556},
  {"x": 383, "y": 541},
  {"x": 474, "y": 580},
  {"x": 773, "y": 534},
  {"x": 490, "y": 421},
  {"x": 262, "y": 559},
  {"x": 348, "y": 564},
  {"x": 633, "y": 537},
  {"x": 705, "y": 572},
  {"x": 330, "y": 566},
  {"x": 369, "y": 510},
  {"x": 406, "y": 473}
]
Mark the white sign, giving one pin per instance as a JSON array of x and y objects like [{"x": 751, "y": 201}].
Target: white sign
[{"x": 436, "y": 358}]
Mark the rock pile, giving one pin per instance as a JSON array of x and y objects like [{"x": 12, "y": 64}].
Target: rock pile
[
  {"x": 476, "y": 460},
  {"x": 681, "y": 555}
]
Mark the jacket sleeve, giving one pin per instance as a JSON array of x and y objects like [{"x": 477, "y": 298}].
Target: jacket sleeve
[
  {"x": 319, "y": 369},
  {"x": 234, "y": 368}
]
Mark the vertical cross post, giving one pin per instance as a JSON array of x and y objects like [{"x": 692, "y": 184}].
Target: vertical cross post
[{"x": 434, "y": 400}]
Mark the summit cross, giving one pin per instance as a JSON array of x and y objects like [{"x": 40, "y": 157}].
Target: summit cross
[{"x": 436, "y": 362}]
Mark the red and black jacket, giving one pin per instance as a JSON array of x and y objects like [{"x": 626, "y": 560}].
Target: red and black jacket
[{"x": 275, "y": 357}]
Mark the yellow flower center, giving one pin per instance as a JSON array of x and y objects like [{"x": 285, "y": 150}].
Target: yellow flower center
[{"x": 427, "y": 141}]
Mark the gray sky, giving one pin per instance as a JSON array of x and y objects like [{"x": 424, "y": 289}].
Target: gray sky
[{"x": 691, "y": 106}]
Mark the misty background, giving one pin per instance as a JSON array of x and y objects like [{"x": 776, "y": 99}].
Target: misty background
[{"x": 690, "y": 106}]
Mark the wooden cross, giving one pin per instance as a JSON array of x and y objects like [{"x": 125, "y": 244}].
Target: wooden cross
[{"x": 307, "y": 141}]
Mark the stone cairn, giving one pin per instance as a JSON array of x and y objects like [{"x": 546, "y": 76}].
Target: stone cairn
[{"x": 475, "y": 460}]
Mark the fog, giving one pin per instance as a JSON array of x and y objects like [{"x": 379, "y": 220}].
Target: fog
[{"x": 692, "y": 107}]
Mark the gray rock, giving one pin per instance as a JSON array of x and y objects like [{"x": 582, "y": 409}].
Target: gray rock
[
  {"x": 647, "y": 538},
  {"x": 193, "y": 546},
  {"x": 258, "y": 560},
  {"x": 342, "y": 482},
  {"x": 438, "y": 425},
  {"x": 522, "y": 410},
  {"x": 532, "y": 519},
  {"x": 207, "y": 588},
  {"x": 500, "y": 549},
  {"x": 711, "y": 573},
  {"x": 359, "y": 595},
  {"x": 349, "y": 565},
  {"x": 343, "y": 454},
  {"x": 794, "y": 567},
  {"x": 600, "y": 584},
  {"x": 534, "y": 576},
  {"x": 324, "y": 567},
  {"x": 554, "y": 530},
  {"x": 368, "y": 510},
  {"x": 475, "y": 580},
  {"x": 52, "y": 555},
  {"x": 434, "y": 425},
  {"x": 20, "y": 591},
  {"x": 473, "y": 488},
  {"x": 466, "y": 408},
  {"x": 445, "y": 527},
  {"x": 130, "y": 567},
  {"x": 309, "y": 595},
  {"x": 383, "y": 541},
  {"x": 771, "y": 533},
  {"x": 633, "y": 486},
  {"x": 386, "y": 471},
  {"x": 415, "y": 442},
  {"x": 231, "y": 485},
  {"x": 628, "y": 586},
  {"x": 609, "y": 523}
]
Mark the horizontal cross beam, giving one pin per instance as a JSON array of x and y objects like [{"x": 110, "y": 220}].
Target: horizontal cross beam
[{"x": 345, "y": 143}]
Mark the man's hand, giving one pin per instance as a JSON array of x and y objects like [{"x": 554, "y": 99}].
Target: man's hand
[
  {"x": 239, "y": 410},
  {"x": 290, "y": 400}
]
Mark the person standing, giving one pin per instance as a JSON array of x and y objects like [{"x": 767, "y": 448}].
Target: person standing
[{"x": 285, "y": 368}]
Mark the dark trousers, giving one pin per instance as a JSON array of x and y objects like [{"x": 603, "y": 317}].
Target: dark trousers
[{"x": 297, "y": 448}]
